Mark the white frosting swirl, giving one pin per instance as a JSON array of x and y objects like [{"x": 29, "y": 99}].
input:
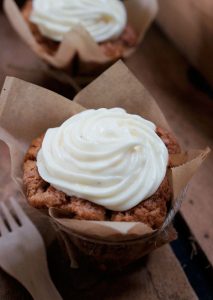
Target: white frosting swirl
[
  {"x": 103, "y": 19},
  {"x": 106, "y": 156}
]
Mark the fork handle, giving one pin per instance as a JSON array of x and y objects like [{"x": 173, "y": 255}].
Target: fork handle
[{"x": 42, "y": 288}]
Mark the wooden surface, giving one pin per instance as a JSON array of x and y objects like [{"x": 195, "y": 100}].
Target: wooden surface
[
  {"x": 189, "y": 24},
  {"x": 158, "y": 278},
  {"x": 164, "y": 72}
]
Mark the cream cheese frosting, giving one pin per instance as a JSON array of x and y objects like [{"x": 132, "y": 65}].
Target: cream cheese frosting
[
  {"x": 103, "y": 19},
  {"x": 106, "y": 156}
]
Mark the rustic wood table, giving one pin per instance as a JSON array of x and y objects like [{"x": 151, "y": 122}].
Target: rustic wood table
[{"x": 189, "y": 110}]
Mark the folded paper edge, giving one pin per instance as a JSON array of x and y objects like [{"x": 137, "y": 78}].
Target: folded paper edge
[
  {"x": 183, "y": 173},
  {"x": 129, "y": 226}
]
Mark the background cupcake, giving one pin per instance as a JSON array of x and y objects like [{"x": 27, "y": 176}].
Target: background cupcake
[
  {"x": 105, "y": 21},
  {"x": 82, "y": 37}
]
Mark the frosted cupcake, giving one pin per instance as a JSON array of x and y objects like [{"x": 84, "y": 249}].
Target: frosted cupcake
[
  {"x": 104, "y": 165},
  {"x": 106, "y": 22}
]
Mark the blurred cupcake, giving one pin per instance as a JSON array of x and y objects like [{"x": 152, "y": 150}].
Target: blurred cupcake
[
  {"x": 104, "y": 165},
  {"x": 81, "y": 38},
  {"x": 105, "y": 21}
]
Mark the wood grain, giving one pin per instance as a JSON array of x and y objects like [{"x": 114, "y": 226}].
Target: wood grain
[{"x": 189, "y": 24}]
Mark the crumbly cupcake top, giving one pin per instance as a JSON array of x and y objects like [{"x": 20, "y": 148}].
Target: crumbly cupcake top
[
  {"x": 106, "y": 156},
  {"x": 103, "y": 19}
]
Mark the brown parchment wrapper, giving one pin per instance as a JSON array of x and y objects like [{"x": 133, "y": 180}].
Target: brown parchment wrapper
[
  {"x": 27, "y": 110},
  {"x": 78, "y": 42}
]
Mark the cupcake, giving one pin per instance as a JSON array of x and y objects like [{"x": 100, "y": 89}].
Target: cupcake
[
  {"x": 106, "y": 22},
  {"x": 103, "y": 165},
  {"x": 100, "y": 164}
]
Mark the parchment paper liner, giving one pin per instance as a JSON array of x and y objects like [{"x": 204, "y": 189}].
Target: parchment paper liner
[
  {"x": 141, "y": 13},
  {"x": 27, "y": 110}
]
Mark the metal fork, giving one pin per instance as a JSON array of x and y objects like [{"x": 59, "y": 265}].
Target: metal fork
[{"x": 22, "y": 252}]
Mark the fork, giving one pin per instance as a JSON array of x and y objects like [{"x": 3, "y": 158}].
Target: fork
[{"x": 22, "y": 252}]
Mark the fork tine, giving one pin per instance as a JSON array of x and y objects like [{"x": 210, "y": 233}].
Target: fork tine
[
  {"x": 23, "y": 218},
  {"x": 3, "y": 227},
  {"x": 8, "y": 216}
]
